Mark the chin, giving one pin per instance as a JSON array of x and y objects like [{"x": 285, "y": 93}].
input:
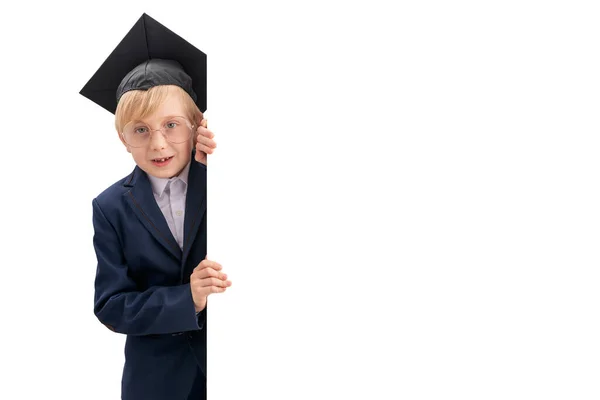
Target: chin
[
  {"x": 159, "y": 173},
  {"x": 162, "y": 172}
]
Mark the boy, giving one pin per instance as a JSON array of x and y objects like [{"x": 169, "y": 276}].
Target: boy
[{"x": 153, "y": 278}]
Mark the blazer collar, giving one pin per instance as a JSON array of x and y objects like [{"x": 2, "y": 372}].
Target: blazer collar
[
  {"x": 195, "y": 205},
  {"x": 141, "y": 200}
]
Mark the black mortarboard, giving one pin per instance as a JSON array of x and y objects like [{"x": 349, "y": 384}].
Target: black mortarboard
[{"x": 149, "y": 55}]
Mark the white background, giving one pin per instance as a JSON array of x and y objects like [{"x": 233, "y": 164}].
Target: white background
[{"x": 405, "y": 196}]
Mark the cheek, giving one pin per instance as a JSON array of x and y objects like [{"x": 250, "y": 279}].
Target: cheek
[
  {"x": 186, "y": 147},
  {"x": 138, "y": 154}
]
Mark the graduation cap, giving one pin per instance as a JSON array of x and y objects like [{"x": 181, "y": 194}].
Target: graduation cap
[{"x": 149, "y": 55}]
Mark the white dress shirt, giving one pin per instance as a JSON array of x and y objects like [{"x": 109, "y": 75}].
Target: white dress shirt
[{"x": 170, "y": 194}]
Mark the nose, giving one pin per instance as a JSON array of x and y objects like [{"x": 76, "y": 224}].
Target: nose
[{"x": 157, "y": 140}]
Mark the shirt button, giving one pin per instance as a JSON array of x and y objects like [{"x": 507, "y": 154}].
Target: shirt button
[{"x": 178, "y": 213}]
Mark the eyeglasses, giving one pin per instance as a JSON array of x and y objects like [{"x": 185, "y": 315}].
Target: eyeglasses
[{"x": 174, "y": 129}]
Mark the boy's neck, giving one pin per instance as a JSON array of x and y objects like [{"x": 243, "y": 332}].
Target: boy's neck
[{"x": 158, "y": 184}]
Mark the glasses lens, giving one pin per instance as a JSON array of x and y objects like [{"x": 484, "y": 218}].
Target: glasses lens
[
  {"x": 136, "y": 134},
  {"x": 175, "y": 130}
]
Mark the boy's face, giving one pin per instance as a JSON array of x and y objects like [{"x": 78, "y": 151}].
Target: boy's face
[{"x": 178, "y": 155}]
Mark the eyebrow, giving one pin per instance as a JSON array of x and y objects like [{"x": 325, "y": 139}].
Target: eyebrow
[{"x": 163, "y": 119}]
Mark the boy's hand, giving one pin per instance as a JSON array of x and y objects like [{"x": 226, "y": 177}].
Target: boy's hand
[
  {"x": 204, "y": 142},
  {"x": 207, "y": 278}
]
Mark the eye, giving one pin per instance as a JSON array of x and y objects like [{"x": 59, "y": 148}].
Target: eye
[
  {"x": 171, "y": 125},
  {"x": 140, "y": 130}
]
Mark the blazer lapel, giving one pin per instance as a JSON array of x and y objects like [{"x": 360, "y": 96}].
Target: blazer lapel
[
  {"x": 142, "y": 202},
  {"x": 195, "y": 205}
]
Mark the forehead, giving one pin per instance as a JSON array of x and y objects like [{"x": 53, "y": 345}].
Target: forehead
[{"x": 171, "y": 106}]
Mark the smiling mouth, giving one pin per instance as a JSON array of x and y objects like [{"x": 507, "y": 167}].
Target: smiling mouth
[{"x": 161, "y": 160}]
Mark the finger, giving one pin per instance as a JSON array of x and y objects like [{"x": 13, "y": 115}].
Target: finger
[
  {"x": 204, "y": 149},
  {"x": 206, "y": 141},
  {"x": 220, "y": 283},
  {"x": 200, "y": 274},
  {"x": 212, "y": 264},
  {"x": 205, "y": 131},
  {"x": 209, "y": 272},
  {"x": 206, "y": 282},
  {"x": 213, "y": 282},
  {"x": 201, "y": 132},
  {"x": 210, "y": 144},
  {"x": 204, "y": 123},
  {"x": 206, "y": 263},
  {"x": 203, "y": 265},
  {"x": 209, "y": 263},
  {"x": 205, "y": 291}
]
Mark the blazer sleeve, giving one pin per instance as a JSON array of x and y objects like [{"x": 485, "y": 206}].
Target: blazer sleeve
[
  {"x": 120, "y": 306},
  {"x": 201, "y": 317}
]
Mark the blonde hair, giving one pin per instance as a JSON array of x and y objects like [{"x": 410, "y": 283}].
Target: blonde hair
[{"x": 138, "y": 104}]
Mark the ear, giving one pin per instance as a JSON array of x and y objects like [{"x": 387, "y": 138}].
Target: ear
[{"x": 198, "y": 118}]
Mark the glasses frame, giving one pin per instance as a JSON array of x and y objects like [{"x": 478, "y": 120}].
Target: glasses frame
[{"x": 151, "y": 131}]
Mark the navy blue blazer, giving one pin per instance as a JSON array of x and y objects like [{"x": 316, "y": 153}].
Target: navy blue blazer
[{"x": 142, "y": 285}]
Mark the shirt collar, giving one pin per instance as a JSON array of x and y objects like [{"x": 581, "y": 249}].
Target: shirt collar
[{"x": 160, "y": 184}]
